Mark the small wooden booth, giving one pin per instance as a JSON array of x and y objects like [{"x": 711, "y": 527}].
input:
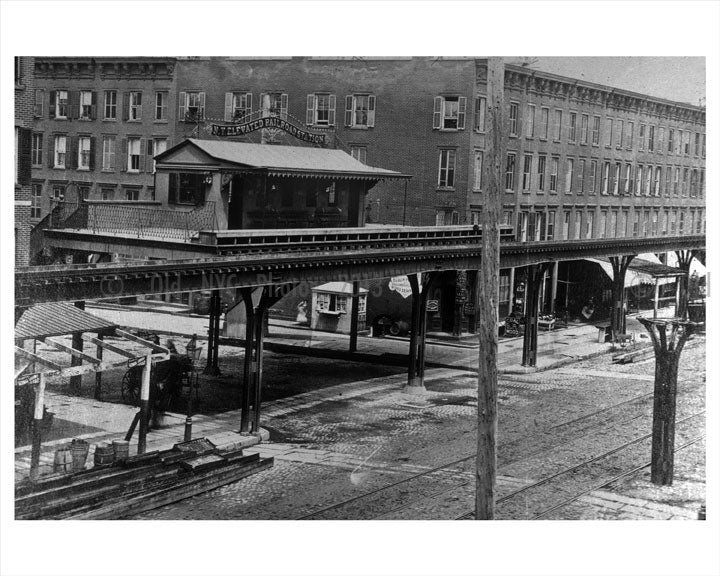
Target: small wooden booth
[{"x": 332, "y": 307}]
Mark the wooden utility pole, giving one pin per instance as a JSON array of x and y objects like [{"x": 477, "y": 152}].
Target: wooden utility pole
[{"x": 487, "y": 304}]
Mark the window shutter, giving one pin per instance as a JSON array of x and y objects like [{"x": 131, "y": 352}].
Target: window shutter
[
  {"x": 201, "y": 111},
  {"x": 182, "y": 109},
  {"x": 228, "y": 107},
  {"x": 71, "y": 152},
  {"x": 24, "y": 155},
  {"x": 74, "y": 104},
  {"x": 248, "y": 104},
  {"x": 123, "y": 155},
  {"x": 93, "y": 108},
  {"x": 462, "y": 105},
  {"x": 141, "y": 155},
  {"x": 125, "y": 105},
  {"x": 51, "y": 108},
  {"x": 348, "y": 110},
  {"x": 51, "y": 151},
  {"x": 283, "y": 105},
  {"x": 371, "y": 111},
  {"x": 149, "y": 152},
  {"x": 331, "y": 112},
  {"x": 92, "y": 152},
  {"x": 437, "y": 112},
  {"x": 172, "y": 188},
  {"x": 310, "y": 114}
]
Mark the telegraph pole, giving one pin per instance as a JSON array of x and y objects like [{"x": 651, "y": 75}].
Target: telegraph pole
[{"x": 487, "y": 302}]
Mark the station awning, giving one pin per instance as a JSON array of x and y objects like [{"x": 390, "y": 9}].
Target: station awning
[
  {"x": 57, "y": 319},
  {"x": 276, "y": 160},
  {"x": 643, "y": 269}
]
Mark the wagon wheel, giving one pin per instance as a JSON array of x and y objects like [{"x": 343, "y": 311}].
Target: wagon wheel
[{"x": 130, "y": 388}]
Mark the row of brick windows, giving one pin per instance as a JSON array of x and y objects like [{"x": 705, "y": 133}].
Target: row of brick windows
[
  {"x": 614, "y": 133},
  {"x": 582, "y": 176},
  {"x": 86, "y": 152},
  {"x": 57, "y": 190},
  {"x": 578, "y": 224},
  {"x": 113, "y": 105}
]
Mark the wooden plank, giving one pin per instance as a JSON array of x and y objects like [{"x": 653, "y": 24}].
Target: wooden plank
[
  {"x": 154, "y": 347},
  {"x": 39, "y": 359},
  {"x": 107, "y": 346},
  {"x": 74, "y": 352}
]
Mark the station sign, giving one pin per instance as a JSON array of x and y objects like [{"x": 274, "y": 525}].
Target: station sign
[
  {"x": 401, "y": 285},
  {"x": 267, "y": 122}
]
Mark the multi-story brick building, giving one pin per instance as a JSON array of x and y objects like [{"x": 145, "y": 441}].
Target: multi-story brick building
[
  {"x": 98, "y": 123},
  {"x": 582, "y": 160},
  {"x": 24, "y": 69}
]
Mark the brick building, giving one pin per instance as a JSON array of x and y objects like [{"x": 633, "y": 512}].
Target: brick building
[{"x": 24, "y": 71}]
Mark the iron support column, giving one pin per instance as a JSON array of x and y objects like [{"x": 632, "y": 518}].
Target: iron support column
[
  {"x": 248, "y": 370},
  {"x": 617, "y": 315}
]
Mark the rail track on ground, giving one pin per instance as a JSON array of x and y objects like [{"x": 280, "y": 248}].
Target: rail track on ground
[{"x": 453, "y": 479}]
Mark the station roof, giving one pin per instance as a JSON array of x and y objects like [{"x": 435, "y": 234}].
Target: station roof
[
  {"x": 645, "y": 268},
  {"x": 280, "y": 160},
  {"x": 338, "y": 288},
  {"x": 57, "y": 319}
]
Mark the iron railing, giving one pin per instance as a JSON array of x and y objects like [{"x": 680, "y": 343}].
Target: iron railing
[{"x": 139, "y": 221}]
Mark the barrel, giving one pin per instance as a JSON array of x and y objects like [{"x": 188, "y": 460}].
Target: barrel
[
  {"x": 63, "y": 460},
  {"x": 104, "y": 454},
  {"x": 80, "y": 449},
  {"x": 121, "y": 449}
]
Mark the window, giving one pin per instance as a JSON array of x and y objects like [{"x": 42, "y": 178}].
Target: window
[
  {"x": 572, "y": 129},
  {"x": 359, "y": 153},
  {"x": 701, "y": 186},
  {"x": 676, "y": 182},
  {"x": 37, "y": 149},
  {"x": 159, "y": 145},
  {"x": 276, "y": 103},
  {"x": 703, "y": 146},
  {"x": 84, "y": 153},
  {"x": 656, "y": 182},
  {"x": 107, "y": 193},
  {"x": 643, "y": 129},
  {"x": 87, "y": 110},
  {"x": 608, "y": 132},
  {"x": 671, "y": 141},
  {"x": 58, "y": 192},
  {"x": 616, "y": 179},
  {"x": 135, "y": 106},
  {"x": 522, "y": 227},
  {"x": 654, "y": 223},
  {"x": 596, "y": 131},
  {"x": 646, "y": 223},
  {"x": 331, "y": 302},
  {"x": 480, "y": 108},
  {"x": 681, "y": 222},
  {"x": 513, "y": 119},
  {"x": 59, "y": 104},
  {"x": 133, "y": 155},
  {"x": 684, "y": 189},
  {"x": 192, "y": 106},
  {"x": 666, "y": 222},
  {"x": 605, "y": 178},
  {"x": 581, "y": 176},
  {"x": 132, "y": 194},
  {"x": 697, "y": 143},
  {"x": 510, "y": 171},
  {"x": 623, "y": 224},
  {"x": 630, "y": 135},
  {"x": 331, "y": 195},
  {"x": 84, "y": 192},
  {"x": 446, "y": 170},
  {"x": 321, "y": 109},
  {"x": 550, "y": 225},
  {"x": 577, "y": 230},
  {"x": 648, "y": 180},
  {"x": 446, "y": 218},
  {"x": 530, "y": 121},
  {"x": 110, "y": 104},
  {"x": 668, "y": 180},
  {"x": 186, "y": 188},
  {"x": 527, "y": 172},
  {"x": 673, "y": 218},
  {"x": 639, "y": 180},
  {"x": 627, "y": 180},
  {"x": 360, "y": 111},
  {"x": 108, "y": 154},
  {"x": 619, "y": 134},
  {"x": 687, "y": 144},
  {"x": 544, "y": 121},
  {"x": 475, "y": 217},
  {"x": 636, "y": 223},
  {"x": 584, "y": 129},
  {"x": 651, "y": 139},
  {"x": 554, "y": 168},
  {"x": 566, "y": 225},
  {"x": 477, "y": 180},
  {"x": 614, "y": 224},
  {"x": 593, "y": 176},
  {"x": 36, "y": 200},
  {"x": 569, "y": 169},
  {"x": 39, "y": 100},
  {"x": 541, "y": 172},
  {"x": 161, "y": 101},
  {"x": 558, "y": 125},
  {"x": 661, "y": 139},
  {"x": 60, "y": 151},
  {"x": 504, "y": 291},
  {"x": 602, "y": 224}
]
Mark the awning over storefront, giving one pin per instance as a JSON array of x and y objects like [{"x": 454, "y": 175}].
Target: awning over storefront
[
  {"x": 57, "y": 319},
  {"x": 275, "y": 160},
  {"x": 643, "y": 269},
  {"x": 696, "y": 267}
]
